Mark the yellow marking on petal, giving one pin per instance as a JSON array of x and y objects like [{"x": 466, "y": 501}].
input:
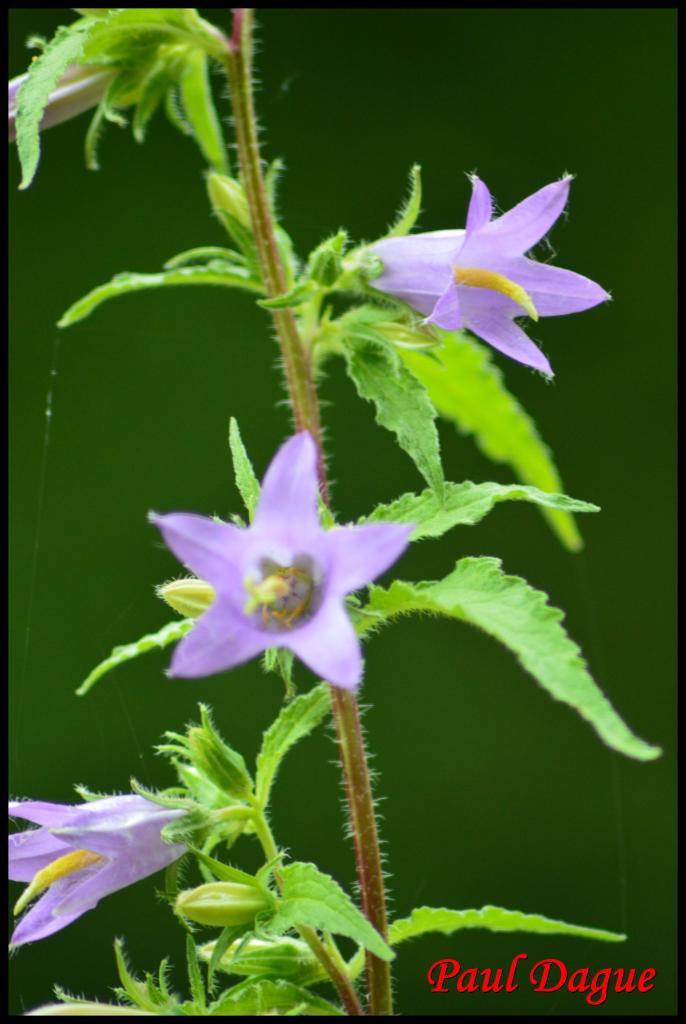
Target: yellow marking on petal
[
  {"x": 475, "y": 277},
  {"x": 60, "y": 868}
]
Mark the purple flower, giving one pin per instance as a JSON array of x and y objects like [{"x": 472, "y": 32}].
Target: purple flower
[
  {"x": 280, "y": 583},
  {"x": 82, "y": 853},
  {"x": 81, "y": 87},
  {"x": 480, "y": 278}
]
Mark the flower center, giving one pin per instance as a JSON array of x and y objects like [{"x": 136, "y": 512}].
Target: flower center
[
  {"x": 283, "y": 596},
  {"x": 475, "y": 277},
  {"x": 60, "y": 868}
]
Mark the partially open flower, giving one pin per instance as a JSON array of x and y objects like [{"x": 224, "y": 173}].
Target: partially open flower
[
  {"x": 479, "y": 277},
  {"x": 282, "y": 582},
  {"x": 82, "y": 853}
]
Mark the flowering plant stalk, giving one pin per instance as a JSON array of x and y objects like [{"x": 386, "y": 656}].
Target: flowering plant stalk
[{"x": 286, "y": 581}]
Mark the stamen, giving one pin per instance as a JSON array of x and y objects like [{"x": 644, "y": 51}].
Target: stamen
[
  {"x": 475, "y": 277},
  {"x": 282, "y": 597},
  {"x": 60, "y": 868}
]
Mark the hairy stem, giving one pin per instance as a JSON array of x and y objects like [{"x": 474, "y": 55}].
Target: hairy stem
[{"x": 305, "y": 403}]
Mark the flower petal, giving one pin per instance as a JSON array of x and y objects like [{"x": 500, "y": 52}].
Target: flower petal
[
  {"x": 329, "y": 646},
  {"x": 358, "y": 554},
  {"x": 211, "y": 550},
  {"x": 288, "y": 501},
  {"x": 480, "y": 207},
  {"x": 553, "y": 290},
  {"x": 418, "y": 268},
  {"x": 488, "y": 315},
  {"x": 521, "y": 227},
  {"x": 43, "y": 918},
  {"x": 447, "y": 312},
  {"x": 31, "y": 851},
  {"x": 40, "y": 812},
  {"x": 134, "y": 833},
  {"x": 220, "y": 639}
]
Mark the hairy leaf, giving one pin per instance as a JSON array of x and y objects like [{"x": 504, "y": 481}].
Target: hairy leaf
[
  {"x": 296, "y": 720},
  {"x": 464, "y": 505},
  {"x": 506, "y": 607},
  {"x": 199, "y": 110},
  {"x": 467, "y": 388},
  {"x": 169, "y": 634},
  {"x": 315, "y": 899},
  {"x": 247, "y": 483},
  {"x": 411, "y": 207},
  {"x": 495, "y": 919},
  {"x": 215, "y": 273}
]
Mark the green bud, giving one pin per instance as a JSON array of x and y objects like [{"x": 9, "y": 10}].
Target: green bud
[
  {"x": 189, "y": 598},
  {"x": 215, "y": 759},
  {"x": 407, "y": 335},
  {"x": 219, "y": 904},
  {"x": 227, "y": 196},
  {"x": 325, "y": 264},
  {"x": 277, "y": 958}
]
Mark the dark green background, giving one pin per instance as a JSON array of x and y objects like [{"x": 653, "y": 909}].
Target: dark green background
[{"x": 492, "y": 792}]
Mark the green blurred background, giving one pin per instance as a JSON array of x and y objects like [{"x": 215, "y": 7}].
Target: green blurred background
[{"x": 491, "y": 792}]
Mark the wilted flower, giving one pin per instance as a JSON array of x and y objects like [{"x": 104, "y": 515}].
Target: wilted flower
[
  {"x": 81, "y": 87},
  {"x": 479, "y": 278},
  {"x": 82, "y": 853},
  {"x": 281, "y": 582}
]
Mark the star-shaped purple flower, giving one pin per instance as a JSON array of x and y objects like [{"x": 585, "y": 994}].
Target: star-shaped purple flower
[
  {"x": 480, "y": 278},
  {"x": 82, "y": 853},
  {"x": 282, "y": 581}
]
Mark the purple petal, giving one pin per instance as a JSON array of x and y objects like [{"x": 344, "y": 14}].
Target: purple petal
[
  {"x": 40, "y": 812},
  {"x": 220, "y": 639},
  {"x": 553, "y": 290},
  {"x": 31, "y": 851},
  {"x": 447, "y": 312},
  {"x": 418, "y": 268},
  {"x": 480, "y": 207},
  {"x": 329, "y": 646},
  {"x": 211, "y": 550},
  {"x": 288, "y": 501},
  {"x": 43, "y": 918},
  {"x": 488, "y": 315},
  {"x": 521, "y": 227},
  {"x": 358, "y": 554},
  {"x": 131, "y": 831}
]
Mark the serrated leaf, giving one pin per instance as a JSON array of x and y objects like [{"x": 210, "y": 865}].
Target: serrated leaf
[
  {"x": 64, "y": 48},
  {"x": 215, "y": 273},
  {"x": 247, "y": 483},
  {"x": 402, "y": 404},
  {"x": 411, "y": 208},
  {"x": 312, "y": 898},
  {"x": 169, "y": 634},
  {"x": 296, "y": 720},
  {"x": 274, "y": 998},
  {"x": 464, "y": 505},
  {"x": 506, "y": 607},
  {"x": 198, "y": 107},
  {"x": 494, "y": 919},
  {"x": 467, "y": 388}
]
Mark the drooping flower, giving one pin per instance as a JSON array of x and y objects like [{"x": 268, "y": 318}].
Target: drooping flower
[
  {"x": 81, "y": 87},
  {"x": 479, "y": 278},
  {"x": 282, "y": 581},
  {"x": 82, "y": 853}
]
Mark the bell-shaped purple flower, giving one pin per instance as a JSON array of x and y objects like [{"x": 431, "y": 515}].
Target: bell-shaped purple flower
[
  {"x": 282, "y": 581},
  {"x": 82, "y": 853},
  {"x": 81, "y": 87},
  {"x": 479, "y": 278}
]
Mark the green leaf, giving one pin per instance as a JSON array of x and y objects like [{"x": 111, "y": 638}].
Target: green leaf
[
  {"x": 301, "y": 292},
  {"x": 506, "y": 607},
  {"x": 495, "y": 919},
  {"x": 257, "y": 998},
  {"x": 132, "y": 35},
  {"x": 464, "y": 505},
  {"x": 402, "y": 404},
  {"x": 134, "y": 989},
  {"x": 64, "y": 48},
  {"x": 315, "y": 899},
  {"x": 467, "y": 388},
  {"x": 223, "y": 872},
  {"x": 202, "y": 254},
  {"x": 411, "y": 208},
  {"x": 215, "y": 273},
  {"x": 247, "y": 483},
  {"x": 197, "y": 988},
  {"x": 280, "y": 660},
  {"x": 169, "y": 634},
  {"x": 296, "y": 720},
  {"x": 198, "y": 107}
]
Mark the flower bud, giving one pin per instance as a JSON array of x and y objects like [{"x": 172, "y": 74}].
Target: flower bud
[
  {"x": 224, "y": 767},
  {"x": 219, "y": 904},
  {"x": 227, "y": 196},
  {"x": 189, "y": 597},
  {"x": 282, "y": 957},
  {"x": 325, "y": 264}
]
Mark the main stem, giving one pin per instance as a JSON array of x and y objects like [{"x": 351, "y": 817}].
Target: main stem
[{"x": 305, "y": 403}]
